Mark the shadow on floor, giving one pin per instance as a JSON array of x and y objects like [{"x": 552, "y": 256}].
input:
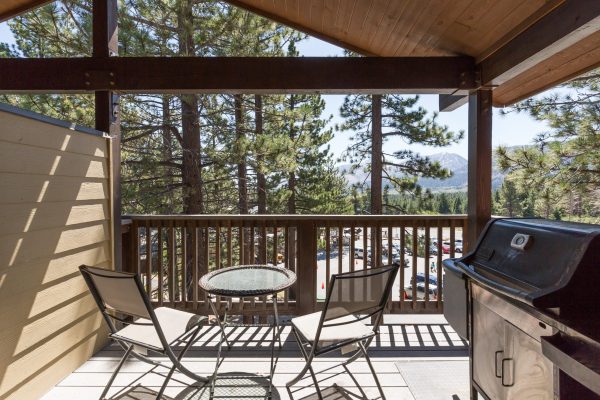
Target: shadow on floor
[{"x": 232, "y": 385}]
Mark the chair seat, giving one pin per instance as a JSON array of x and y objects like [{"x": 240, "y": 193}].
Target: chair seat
[
  {"x": 307, "y": 326},
  {"x": 174, "y": 324}
]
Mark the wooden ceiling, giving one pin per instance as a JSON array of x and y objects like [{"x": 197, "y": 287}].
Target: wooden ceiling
[
  {"x": 401, "y": 28},
  {"x": 397, "y": 28}
]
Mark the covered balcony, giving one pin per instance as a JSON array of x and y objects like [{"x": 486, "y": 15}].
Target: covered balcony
[{"x": 60, "y": 200}]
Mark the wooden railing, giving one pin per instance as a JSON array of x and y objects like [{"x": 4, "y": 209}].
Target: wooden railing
[{"x": 184, "y": 247}]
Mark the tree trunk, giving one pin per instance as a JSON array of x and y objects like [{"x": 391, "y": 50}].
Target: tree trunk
[
  {"x": 376, "y": 156},
  {"x": 167, "y": 150},
  {"x": 191, "y": 172},
  {"x": 261, "y": 180},
  {"x": 376, "y": 176},
  {"x": 242, "y": 172},
  {"x": 292, "y": 174}
]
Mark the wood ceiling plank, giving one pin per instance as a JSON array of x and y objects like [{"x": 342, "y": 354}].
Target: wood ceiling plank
[
  {"x": 357, "y": 22},
  {"x": 434, "y": 45},
  {"x": 372, "y": 22},
  {"x": 517, "y": 15},
  {"x": 463, "y": 35},
  {"x": 565, "y": 65},
  {"x": 401, "y": 29},
  {"x": 387, "y": 26},
  {"x": 430, "y": 13}
]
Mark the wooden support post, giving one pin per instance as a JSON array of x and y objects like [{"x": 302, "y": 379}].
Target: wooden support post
[
  {"x": 306, "y": 268},
  {"x": 107, "y": 110},
  {"x": 480, "y": 163}
]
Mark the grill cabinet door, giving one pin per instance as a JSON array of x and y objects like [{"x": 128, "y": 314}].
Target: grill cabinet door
[
  {"x": 527, "y": 374},
  {"x": 488, "y": 350}
]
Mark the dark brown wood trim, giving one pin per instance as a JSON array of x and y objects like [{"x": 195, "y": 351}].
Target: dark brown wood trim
[
  {"x": 22, "y": 9},
  {"x": 104, "y": 45},
  {"x": 450, "y": 102},
  {"x": 564, "y": 26},
  {"x": 479, "y": 188},
  {"x": 239, "y": 74}
]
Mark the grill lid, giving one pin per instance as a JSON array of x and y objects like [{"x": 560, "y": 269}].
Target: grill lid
[{"x": 541, "y": 262}]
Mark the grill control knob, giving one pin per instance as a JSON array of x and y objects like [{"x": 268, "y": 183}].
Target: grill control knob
[{"x": 520, "y": 241}]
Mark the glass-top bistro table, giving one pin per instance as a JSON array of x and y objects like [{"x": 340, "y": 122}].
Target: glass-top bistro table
[{"x": 246, "y": 281}]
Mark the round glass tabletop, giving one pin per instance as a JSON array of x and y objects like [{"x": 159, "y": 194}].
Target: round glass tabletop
[{"x": 247, "y": 280}]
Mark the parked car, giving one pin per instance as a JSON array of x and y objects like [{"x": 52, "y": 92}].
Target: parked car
[
  {"x": 458, "y": 246},
  {"x": 421, "y": 279},
  {"x": 433, "y": 249},
  {"x": 421, "y": 292}
]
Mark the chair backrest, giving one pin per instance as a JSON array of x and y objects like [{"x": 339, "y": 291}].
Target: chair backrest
[
  {"x": 117, "y": 292},
  {"x": 364, "y": 292}
]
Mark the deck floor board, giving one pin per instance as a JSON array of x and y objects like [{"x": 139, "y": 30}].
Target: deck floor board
[{"x": 242, "y": 374}]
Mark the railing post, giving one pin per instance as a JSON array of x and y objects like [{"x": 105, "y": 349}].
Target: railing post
[
  {"x": 126, "y": 243},
  {"x": 306, "y": 269}
]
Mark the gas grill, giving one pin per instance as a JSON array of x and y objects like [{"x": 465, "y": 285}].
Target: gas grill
[{"x": 527, "y": 298}]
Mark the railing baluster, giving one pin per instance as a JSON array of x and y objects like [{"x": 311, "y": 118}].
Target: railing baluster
[
  {"x": 365, "y": 247},
  {"x": 403, "y": 265},
  {"x": 340, "y": 250},
  {"x": 415, "y": 245},
  {"x": 325, "y": 284},
  {"x": 184, "y": 264},
  {"x": 427, "y": 244},
  {"x": 229, "y": 245},
  {"x": 135, "y": 248},
  {"x": 194, "y": 248},
  {"x": 148, "y": 260},
  {"x": 452, "y": 239},
  {"x": 159, "y": 266},
  {"x": 251, "y": 244},
  {"x": 172, "y": 259},
  {"x": 439, "y": 268}
]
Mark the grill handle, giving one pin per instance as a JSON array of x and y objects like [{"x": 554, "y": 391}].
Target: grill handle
[
  {"x": 503, "y": 370},
  {"x": 458, "y": 266},
  {"x": 496, "y": 354}
]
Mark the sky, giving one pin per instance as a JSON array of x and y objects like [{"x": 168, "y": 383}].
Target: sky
[{"x": 512, "y": 129}]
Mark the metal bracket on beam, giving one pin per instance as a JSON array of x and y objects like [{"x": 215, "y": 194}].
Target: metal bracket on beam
[{"x": 100, "y": 80}]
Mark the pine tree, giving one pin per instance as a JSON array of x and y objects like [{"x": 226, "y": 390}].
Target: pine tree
[{"x": 400, "y": 118}]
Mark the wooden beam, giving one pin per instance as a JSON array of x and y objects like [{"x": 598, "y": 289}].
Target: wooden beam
[
  {"x": 561, "y": 28},
  {"x": 450, "y": 102},
  {"x": 104, "y": 45},
  {"x": 479, "y": 188},
  {"x": 333, "y": 75}
]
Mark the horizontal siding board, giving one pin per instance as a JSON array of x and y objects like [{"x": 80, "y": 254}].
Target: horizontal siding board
[
  {"x": 26, "y": 131},
  {"x": 21, "y": 218},
  {"x": 21, "y": 248},
  {"x": 21, "y": 159},
  {"x": 22, "y": 277},
  {"x": 20, "y": 188}
]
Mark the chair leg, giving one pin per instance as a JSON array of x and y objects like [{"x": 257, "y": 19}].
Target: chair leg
[
  {"x": 307, "y": 367},
  {"x": 178, "y": 366},
  {"x": 306, "y": 358},
  {"x": 114, "y": 374},
  {"x": 364, "y": 351}
]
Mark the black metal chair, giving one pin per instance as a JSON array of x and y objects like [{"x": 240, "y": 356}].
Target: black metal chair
[
  {"x": 121, "y": 298},
  {"x": 352, "y": 298}
]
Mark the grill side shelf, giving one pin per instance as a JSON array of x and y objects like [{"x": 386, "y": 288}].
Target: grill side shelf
[{"x": 576, "y": 358}]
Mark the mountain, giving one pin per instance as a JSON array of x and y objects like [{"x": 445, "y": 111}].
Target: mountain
[{"x": 453, "y": 162}]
